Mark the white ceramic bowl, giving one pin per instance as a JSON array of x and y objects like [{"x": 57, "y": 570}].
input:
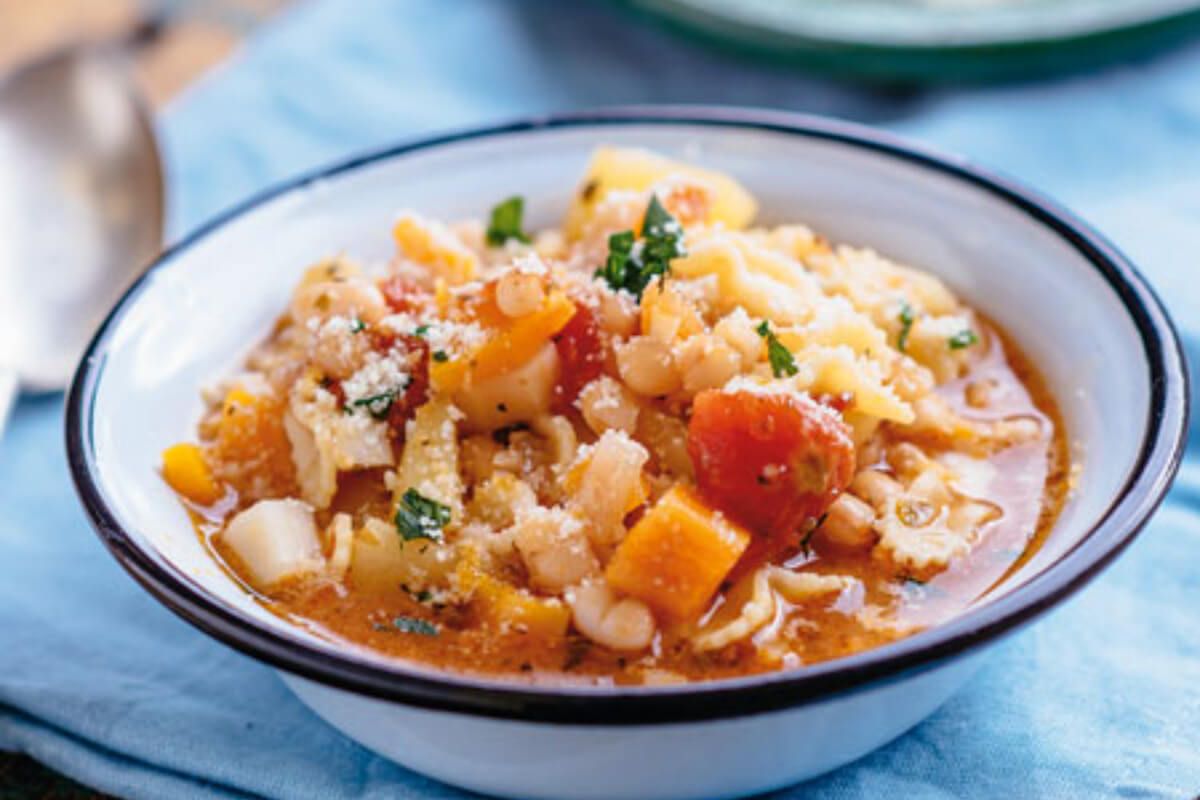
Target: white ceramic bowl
[{"x": 1088, "y": 319}]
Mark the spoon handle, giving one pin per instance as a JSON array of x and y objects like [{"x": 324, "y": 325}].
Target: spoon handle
[{"x": 8, "y": 394}]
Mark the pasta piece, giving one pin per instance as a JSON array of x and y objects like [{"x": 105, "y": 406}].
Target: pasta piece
[
  {"x": 611, "y": 478},
  {"x": 554, "y": 547},
  {"x": 607, "y": 405},
  {"x": 801, "y": 587},
  {"x": 755, "y": 613}
]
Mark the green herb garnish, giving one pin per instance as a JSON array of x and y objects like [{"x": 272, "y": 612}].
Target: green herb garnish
[
  {"x": 631, "y": 264},
  {"x": 357, "y": 325},
  {"x": 782, "y": 361},
  {"x": 418, "y": 517},
  {"x": 505, "y": 222},
  {"x": 377, "y": 405},
  {"x": 906, "y": 322},
  {"x": 414, "y": 625},
  {"x": 964, "y": 338},
  {"x": 441, "y": 356},
  {"x": 420, "y": 330}
]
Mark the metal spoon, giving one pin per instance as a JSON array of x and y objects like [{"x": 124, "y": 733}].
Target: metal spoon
[{"x": 81, "y": 209}]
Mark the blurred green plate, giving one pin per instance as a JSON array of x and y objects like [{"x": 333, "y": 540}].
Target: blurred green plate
[{"x": 938, "y": 40}]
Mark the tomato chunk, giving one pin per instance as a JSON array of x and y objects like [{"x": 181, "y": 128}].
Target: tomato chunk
[
  {"x": 416, "y": 391},
  {"x": 580, "y": 355},
  {"x": 773, "y": 462}
]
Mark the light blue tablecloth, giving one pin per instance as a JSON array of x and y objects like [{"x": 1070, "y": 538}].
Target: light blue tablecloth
[{"x": 1102, "y": 699}]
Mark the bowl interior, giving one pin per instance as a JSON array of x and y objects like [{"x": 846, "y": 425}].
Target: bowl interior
[{"x": 198, "y": 312}]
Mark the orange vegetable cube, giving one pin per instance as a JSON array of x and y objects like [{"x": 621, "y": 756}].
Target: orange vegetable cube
[
  {"x": 434, "y": 245},
  {"x": 186, "y": 471},
  {"x": 676, "y": 556},
  {"x": 506, "y": 608},
  {"x": 523, "y": 338}
]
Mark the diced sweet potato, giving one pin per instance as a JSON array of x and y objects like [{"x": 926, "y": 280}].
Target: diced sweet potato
[
  {"x": 433, "y": 245},
  {"x": 507, "y": 347},
  {"x": 506, "y": 608},
  {"x": 252, "y": 452},
  {"x": 523, "y": 338},
  {"x": 186, "y": 471},
  {"x": 676, "y": 556}
]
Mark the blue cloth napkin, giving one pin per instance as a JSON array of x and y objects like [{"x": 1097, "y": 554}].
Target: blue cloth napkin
[{"x": 1101, "y": 699}]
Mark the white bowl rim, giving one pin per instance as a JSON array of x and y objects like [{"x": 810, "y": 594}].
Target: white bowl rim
[{"x": 1157, "y": 463}]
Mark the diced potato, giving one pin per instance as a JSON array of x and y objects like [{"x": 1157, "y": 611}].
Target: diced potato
[
  {"x": 433, "y": 245},
  {"x": 429, "y": 462},
  {"x": 274, "y": 540},
  {"x": 621, "y": 169},
  {"x": 676, "y": 556},
  {"x": 382, "y": 561},
  {"x": 520, "y": 395},
  {"x": 186, "y": 471}
]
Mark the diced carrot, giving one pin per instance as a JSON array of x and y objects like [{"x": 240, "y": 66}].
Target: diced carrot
[
  {"x": 187, "y": 472},
  {"x": 676, "y": 556}
]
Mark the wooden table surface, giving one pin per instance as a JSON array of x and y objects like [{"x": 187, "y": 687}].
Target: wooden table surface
[{"x": 195, "y": 35}]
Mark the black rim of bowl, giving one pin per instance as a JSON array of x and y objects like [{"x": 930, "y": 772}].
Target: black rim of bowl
[{"x": 1158, "y": 460}]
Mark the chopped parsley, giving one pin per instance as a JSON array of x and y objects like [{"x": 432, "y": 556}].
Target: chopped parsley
[
  {"x": 415, "y": 625},
  {"x": 963, "y": 339},
  {"x": 357, "y": 325},
  {"x": 420, "y": 330},
  {"x": 782, "y": 361},
  {"x": 377, "y": 405},
  {"x": 441, "y": 356},
  {"x": 505, "y": 222},
  {"x": 631, "y": 264},
  {"x": 906, "y": 322},
  {"x": 418, "y": 517}
]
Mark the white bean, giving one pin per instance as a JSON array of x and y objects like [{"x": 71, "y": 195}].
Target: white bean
[
  {"x": 519, "y": 293},
  {"x": 622, "y": 624}
]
